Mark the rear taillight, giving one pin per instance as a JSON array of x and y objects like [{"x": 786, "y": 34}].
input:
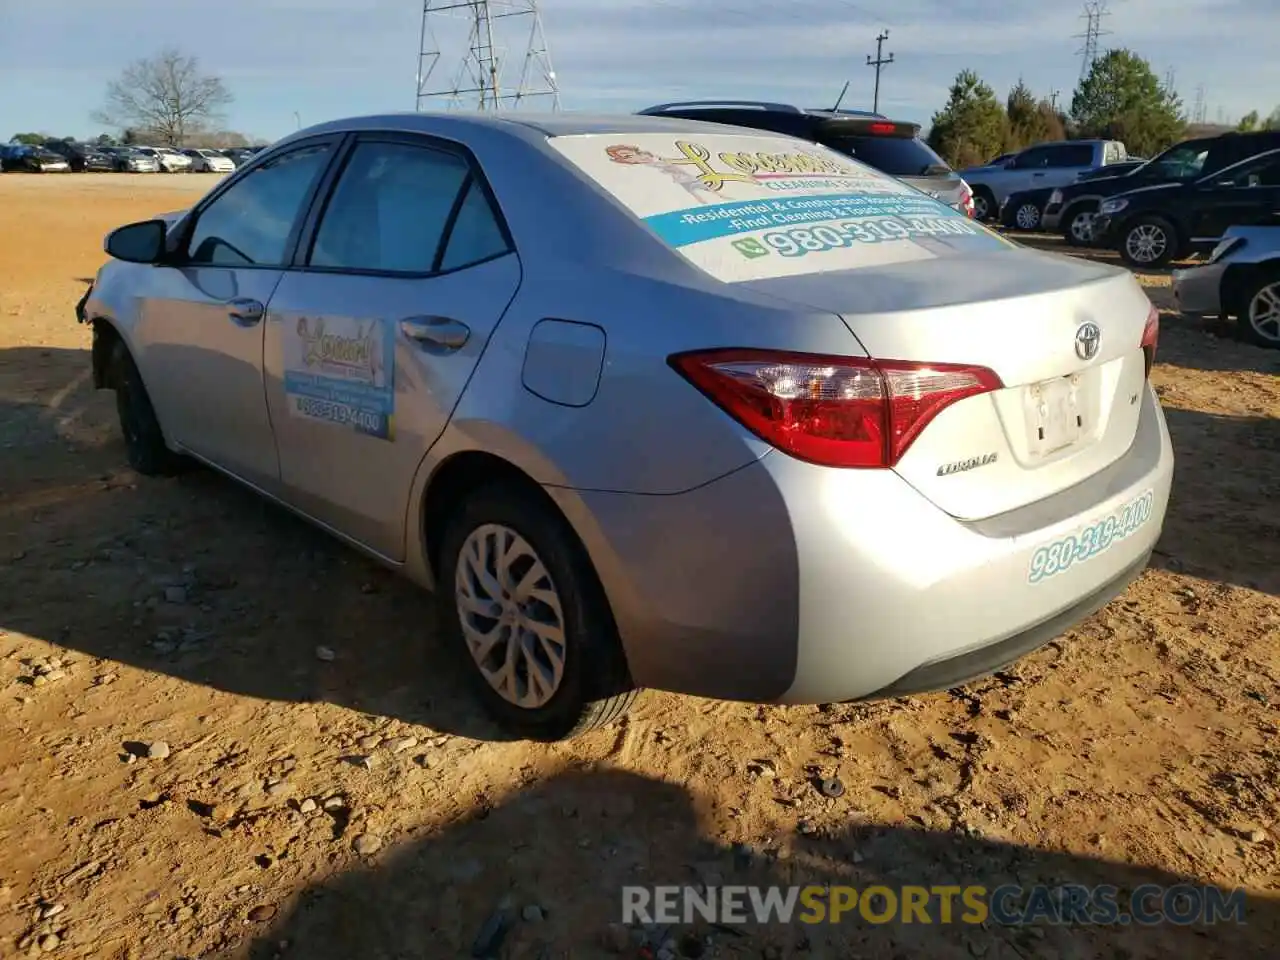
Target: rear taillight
[
  {"x": 833, "y": 411},
  {"x": 966, "y": 199},
  {"x": 1150, "y": 336}
]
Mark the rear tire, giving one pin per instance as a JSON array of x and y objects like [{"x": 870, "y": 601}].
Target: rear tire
[
  {"x": 510, "y": 563},
  {"x": 143, "y": 439},
  {"x": 1077, "y": 225},
  {"x": 1259, "y": 309},
  {"x": 1149, "y": 242}
]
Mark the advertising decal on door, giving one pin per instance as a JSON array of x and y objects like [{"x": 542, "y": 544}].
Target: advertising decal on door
[{"x": 340, "y": 370}]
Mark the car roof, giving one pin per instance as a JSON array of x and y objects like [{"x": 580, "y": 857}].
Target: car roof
[{"x": 527, "y": 125}]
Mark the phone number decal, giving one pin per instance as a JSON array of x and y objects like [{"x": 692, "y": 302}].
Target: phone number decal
[
  {"x": 800, "y": 241},
  {"x": 1061, "y": 555},
  {"x": 365, "y": 421}
]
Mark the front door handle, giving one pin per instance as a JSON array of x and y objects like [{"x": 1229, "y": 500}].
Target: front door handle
[
  {"x": 441, "y": 333},
  {"x": 245, "y": 311}
]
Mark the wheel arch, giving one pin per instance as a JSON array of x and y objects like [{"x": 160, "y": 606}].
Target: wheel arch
[
  {"x": 105, "y": 338},
  {"x": 1236, "y": 279}
]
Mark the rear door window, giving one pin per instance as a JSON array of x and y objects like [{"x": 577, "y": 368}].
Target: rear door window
[
  {"x": 896, "y": 156},
  {"x": 1071, "y": 155},
  {"x": 745, "y": 207}
]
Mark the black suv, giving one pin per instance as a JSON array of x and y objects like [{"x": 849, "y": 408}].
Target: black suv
[
  {"x": 1152, "y": 225},
  {"x": 81, "y": 156},
  {"x": 889, "y": 146},
  {"x": 1070, "y": 209}
]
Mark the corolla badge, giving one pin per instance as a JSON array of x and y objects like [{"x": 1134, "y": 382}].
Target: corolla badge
[
  {"x": 963, "y": 466},
  {"x": 1088, "y": 338}
]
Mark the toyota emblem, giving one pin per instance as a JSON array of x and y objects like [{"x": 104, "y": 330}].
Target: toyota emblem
[{"x": 1088, "y": 337}]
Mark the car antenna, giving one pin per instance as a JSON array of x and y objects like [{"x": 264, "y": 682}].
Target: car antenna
[{"x": 840, "y": 99}]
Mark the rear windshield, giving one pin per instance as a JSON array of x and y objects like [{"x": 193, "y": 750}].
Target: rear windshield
[
  {"x": 896, "y": 156},
  {"x": 747, "y": 207}
]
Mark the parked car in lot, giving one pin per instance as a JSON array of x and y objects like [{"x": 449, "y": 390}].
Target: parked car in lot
[
  {"x": 889, "y": 146},
  {"x": 132, "y": 160},
  {"x": 1241, "y": 280},
  {"x": 1071, "y": 209},
  {"x": 651, "y": 402},
  {"x": 167, "y": 160},
  {"x": 1024, "y": 210},
  {"x": 1043, "y": 165},
  {"x": 81, "y": 157},
  {"x": 25, "y": 158},
  {"x": 1152, "y": 225},
  {"x": 209, "y": 161}
]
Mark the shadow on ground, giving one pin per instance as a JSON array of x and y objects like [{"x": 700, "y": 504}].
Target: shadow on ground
[
  {"x": 199, "y": 579},
  {"x": 581, "y": 837}
]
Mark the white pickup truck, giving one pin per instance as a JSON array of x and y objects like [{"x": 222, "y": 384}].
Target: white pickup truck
[{"x": 1053, "y": 164}]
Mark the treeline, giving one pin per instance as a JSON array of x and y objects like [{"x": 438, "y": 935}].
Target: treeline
[{"x": 1121, "y": 98}]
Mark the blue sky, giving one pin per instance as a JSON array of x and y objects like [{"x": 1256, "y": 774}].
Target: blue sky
[{"x": 332, "y": 58}]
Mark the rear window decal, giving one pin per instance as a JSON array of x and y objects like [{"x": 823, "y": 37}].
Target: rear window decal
[{"x": 748, "y": 207}]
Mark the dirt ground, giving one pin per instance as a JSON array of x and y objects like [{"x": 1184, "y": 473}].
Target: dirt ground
[{"x": 181, "y": 776}]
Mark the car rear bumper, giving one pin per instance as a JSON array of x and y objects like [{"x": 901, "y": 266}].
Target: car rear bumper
[
  {"x": 1051, "y": 218},
  {"x": 1198, "y": 290},
  {"x": 786, "y": 582}
]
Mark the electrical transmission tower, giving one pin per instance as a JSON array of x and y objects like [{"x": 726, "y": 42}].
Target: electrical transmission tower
[
  {"x": 1095, "y": 11},
  {"x": 483, "y": 54},
  {"x": 1198, "y": 112}
]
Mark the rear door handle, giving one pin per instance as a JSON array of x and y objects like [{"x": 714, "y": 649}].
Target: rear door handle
[
  {"x": 245, "y": 311},
  {"x": 440, "y": 333}
]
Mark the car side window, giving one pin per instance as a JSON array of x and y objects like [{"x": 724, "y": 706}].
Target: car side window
[
  {"x": 1036, "y": 158},
  {"x": 390, "y": 209},
  {"x": 1071, "y": 155},
  {"x": 250, "y": 224},
  {"x": 476, "y": 234},
  {"x": 1265, "y": 174}
]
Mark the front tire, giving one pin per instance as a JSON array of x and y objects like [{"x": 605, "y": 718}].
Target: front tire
[
  {"x": 1027, "y": 217},
  {"x": 984, "y": 205},
  {"x": 521, "y": 606},
  {"x": 1149, "y": 242},
  {"x": 1259, "y": 311},
  {"x": 143, "y": 439}
]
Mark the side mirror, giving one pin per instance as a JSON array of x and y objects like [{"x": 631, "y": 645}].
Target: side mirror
[{"x": 138, "y": 242}]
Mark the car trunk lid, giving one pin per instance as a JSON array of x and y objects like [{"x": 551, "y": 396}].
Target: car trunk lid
[{"x": 1064, "y": 337}]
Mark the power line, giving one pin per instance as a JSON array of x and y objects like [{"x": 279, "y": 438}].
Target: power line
[
  {"x": 879, "y": 63},
  {"x": 1095, "y": 11},
  {"x": 470, "y": 40}
]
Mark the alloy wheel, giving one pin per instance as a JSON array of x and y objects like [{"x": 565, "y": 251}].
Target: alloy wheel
[
  {"x": 1264, "y": 313},
  {"x": 1146, "y": 243},
  {"x": 511, "y": 616},
  {"x": 980, "y": 209},
  {"x": 1028, "y": 216},
  {"x": 1082, "y": 227}
]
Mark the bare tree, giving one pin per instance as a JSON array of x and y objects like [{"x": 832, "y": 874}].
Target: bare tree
[{"x": 166, "y": 94}]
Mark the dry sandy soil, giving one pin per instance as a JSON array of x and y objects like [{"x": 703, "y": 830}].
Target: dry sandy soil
[{"x": 362, "y": 808}]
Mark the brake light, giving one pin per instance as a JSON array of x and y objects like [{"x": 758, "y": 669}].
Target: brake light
[
  {"x": 884, "y": 128},
  {"x": 1150, "y": 337},
  {"x": 966, "y": 199},
  {"x": 833, "y": 411}
]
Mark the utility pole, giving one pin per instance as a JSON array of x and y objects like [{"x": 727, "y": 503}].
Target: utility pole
[
  {"x": 879, "y": 62},
  {"x": 1197, "y": 113},
  {"x": 1094, "y": 13},
  {"x": 1053, "y": 100},
  {"x": 475, "y": 35}
]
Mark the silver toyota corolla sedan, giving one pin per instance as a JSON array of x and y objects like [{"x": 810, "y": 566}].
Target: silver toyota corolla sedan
[{"x": 651, "y": 402}]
